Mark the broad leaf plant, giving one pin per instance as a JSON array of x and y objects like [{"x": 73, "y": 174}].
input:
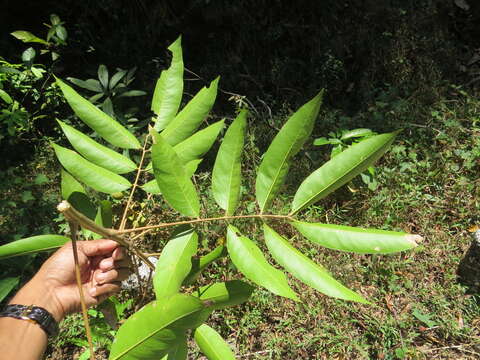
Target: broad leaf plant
[{"x": 171, "y": 151}]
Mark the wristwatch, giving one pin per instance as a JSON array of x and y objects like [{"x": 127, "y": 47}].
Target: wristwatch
[{"x": 33, "y": 314}]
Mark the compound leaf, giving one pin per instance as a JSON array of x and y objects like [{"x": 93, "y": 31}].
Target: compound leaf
[
  {"x": 115, "y": 79},
  {"x": 277, "y": 159},
  {"x": 226, "y": 175},
  {"x": 249, "y": 260},
  {"x": 305, "y": 269},
  {"x": 340, "y": 170}
]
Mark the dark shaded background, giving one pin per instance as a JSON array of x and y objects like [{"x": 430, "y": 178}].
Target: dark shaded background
[{"x": 274, "y": 50}]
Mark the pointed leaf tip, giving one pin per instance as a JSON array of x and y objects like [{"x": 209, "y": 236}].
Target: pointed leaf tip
[
  {"x": 169, "y": 88},
  {"x": 357, "y": 240}
]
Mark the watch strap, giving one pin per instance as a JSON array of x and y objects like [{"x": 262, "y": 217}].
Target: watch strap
[{"x": 35, "y": 314}]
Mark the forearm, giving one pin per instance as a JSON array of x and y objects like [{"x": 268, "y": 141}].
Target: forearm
[{"x": 22, "y": 339}]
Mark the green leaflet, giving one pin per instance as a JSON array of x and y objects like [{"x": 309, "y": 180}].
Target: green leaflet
[
  {"x": 191, "y": 149},
  {"x": 362, "y": 241},
  {"x": 104, "y": 125},
  {"x": 249, "y": 260},
  {"x": 98, "y": 154},
  {"x": 191, "y": 116},
  {"x": 225, "y": 294},
  {"x": 277, "y": 159},
  {"x": 104, "y": 216},
  {"x": 190, "y": 168},
  {"x": 226, "y": 174},
  {"x": 340, "y": 170},
  {"x": 155, "y": 329},
  {"x": 151, "y": 187},
  {"x": 103, "y": 76},
  {"x": 305, "y": 269},
  {"x": 115, "y": 79},
  {"x": 212, "y": 345},
  {"x": 32, "y": 245},
  {"x": 199, "y": 264},
  {"x": 173, "y": 181},
  {"x": 199, "y": 143},
  {"x": 7, "y": 285},
  {"x": 175, "y": 263},
  {"x": 90, "y": 174},
  {"x": 5, "y": 97},
  {"x": 169, "y": 88},
  {"x": 179, "y": 351},
  {"x": 28, "y": 37},
  {"x": 75, "y": 194}
]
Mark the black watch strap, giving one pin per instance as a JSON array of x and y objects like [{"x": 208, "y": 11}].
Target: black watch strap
[{"x": 34, "y": 314}]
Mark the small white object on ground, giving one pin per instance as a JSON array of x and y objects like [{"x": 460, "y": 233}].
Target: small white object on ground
[{"x": 143, "y": 272}]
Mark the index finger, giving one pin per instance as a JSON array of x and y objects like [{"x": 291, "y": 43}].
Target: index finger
[
  {"x": 118, "y": 253},
  {"x": 97, "y": 247}
]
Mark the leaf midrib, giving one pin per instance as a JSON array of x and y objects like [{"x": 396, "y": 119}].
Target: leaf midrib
[
  {"x": 155, "y": 332},
  {"x": 230, "y": 179},
  {"x": 104, "y": 120},
  {"x": 108, "y": 175},
  {"x": 340, "y": 178},
  {"x": 210, "y": 346},
  {"x": 267, "y": 274},
  {"x": 262, "y": 208},
  {"x": 180, "y": 257},
  {"x": 105, "y": 153}
]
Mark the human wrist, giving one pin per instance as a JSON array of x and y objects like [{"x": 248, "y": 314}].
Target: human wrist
[{"x": 42, "y": 295}]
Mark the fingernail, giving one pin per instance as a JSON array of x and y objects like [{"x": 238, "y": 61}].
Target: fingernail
[
  {"x": 92, "y": 291},
  {"x": 101, "y": 277},
  {"x": 107, "y": 263}
]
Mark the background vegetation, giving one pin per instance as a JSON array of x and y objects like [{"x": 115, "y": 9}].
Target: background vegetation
[{"x": 384, "y": 65}]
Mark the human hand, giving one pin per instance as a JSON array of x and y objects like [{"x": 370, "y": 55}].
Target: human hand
[{"x": 102, "y": 266}]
